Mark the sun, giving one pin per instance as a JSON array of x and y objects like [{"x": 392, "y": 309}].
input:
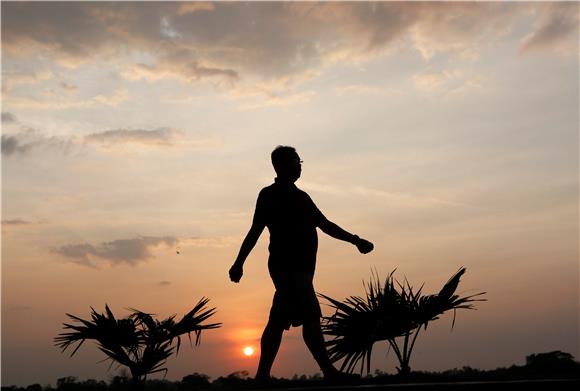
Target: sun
[{"x": 248, "y": 351}]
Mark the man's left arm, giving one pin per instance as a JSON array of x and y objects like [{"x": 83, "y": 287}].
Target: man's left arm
[{"x": 332, "y": 229}]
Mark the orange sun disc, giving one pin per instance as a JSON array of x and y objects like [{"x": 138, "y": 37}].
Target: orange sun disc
[{"x": 248, "y": 351}]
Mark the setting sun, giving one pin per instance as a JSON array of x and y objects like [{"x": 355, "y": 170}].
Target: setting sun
[{"x": 248, "y": 351}]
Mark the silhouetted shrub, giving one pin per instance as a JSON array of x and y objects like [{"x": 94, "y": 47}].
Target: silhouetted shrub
[{"x": 195, "y": 381}]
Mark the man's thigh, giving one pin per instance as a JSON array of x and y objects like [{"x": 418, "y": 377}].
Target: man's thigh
[{"x": 295, "y": 299}]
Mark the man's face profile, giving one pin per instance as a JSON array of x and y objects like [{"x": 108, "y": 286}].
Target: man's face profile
[
  {"x": 288, "y": 166},
  {"x": 293, "y": 167}
]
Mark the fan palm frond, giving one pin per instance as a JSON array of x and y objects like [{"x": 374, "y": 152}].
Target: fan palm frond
[
  {"x": 388, "y": 311},
  {"x": 139, "y": 342}
]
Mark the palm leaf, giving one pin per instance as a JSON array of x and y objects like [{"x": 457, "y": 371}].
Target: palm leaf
[
  {"x": 139, "y": 342},
  {"x": 388, "y": 311}
]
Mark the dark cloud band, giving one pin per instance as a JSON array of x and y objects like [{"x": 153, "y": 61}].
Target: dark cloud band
[
  {"x": 121, "y": 251},
  {"x": 270, "y": 39}
]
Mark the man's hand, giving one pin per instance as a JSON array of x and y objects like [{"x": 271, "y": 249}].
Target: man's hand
[
  {"x": 236, "y": 272},
  {"x": 364, "y": 246}
]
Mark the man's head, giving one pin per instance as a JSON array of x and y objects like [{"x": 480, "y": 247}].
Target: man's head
[{"x": 286, "y": 162}]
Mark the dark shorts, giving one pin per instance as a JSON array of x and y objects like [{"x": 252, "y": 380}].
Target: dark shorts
[{"x": 294, "y": 300}]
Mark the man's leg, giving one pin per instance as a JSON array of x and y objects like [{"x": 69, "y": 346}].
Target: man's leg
[
  {"x": 312, "y": 334},
  {"x": 269, "y": 345}
]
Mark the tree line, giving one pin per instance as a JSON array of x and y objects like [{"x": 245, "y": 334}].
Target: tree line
[{"x": 549, "y": 365}]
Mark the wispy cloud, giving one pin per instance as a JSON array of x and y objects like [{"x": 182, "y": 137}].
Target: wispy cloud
[
  {"x": 223, "y": 241},
  {"x": 448, "y": 81},
  {"x": 189, "y": 8},
  {"x": 54, "y": 101},
  {"x": 12, "y": 79},
  {"x": 8, "y": 118},
  {"x": 362, "y": 89},
  {"x": 180, "y": 66},
  {"x": 14, "y": 223},
  {"x": 25, "y": 142},
  {"x": 280, "y": 100},
  {"x": 12, "y": 145},
  {"x": 557, "y": 29},
  {"x": 121, "y": 251},
  {"x": 155, "y": 137},
  {"x": 29, "y": 140},
  {"x": 431, "y": 80},
  {"x": 135, "y": 251},
  {"x": 394, "y": 198}
]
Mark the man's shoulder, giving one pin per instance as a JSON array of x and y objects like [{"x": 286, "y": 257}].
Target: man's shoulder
[
  {"x": 266, "y": 191},
  {"x": 303, "y": 193}
]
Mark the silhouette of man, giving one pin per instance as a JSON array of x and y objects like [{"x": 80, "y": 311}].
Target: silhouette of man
[{"x": 292, "y": 218}]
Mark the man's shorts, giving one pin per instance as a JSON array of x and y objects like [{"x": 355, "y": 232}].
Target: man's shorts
[{"x": 294, "y": 300}]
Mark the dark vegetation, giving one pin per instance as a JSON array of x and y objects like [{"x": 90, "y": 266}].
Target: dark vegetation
[
  {"x": 550, "y": 365},
  {"x": 138, "y": 342},
  {"x": 392, "y": 311}
]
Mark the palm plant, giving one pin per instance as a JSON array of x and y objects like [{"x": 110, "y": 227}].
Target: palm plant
[
  {"x": 387, "y": 312},
  {"x": 138, "y": 341}
]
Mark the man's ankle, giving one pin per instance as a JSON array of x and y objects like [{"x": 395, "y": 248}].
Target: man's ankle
[
  {"x": 262, "y": 377},
  {"x": 330, "y": 371}
]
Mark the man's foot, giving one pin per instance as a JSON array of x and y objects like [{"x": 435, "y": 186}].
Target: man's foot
[
  {"x": 262, "y": 381},
  {"x": 337, "y": 378}
]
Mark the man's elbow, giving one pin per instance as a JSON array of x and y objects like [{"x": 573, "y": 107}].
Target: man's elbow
[{"x": 325, "y": 225}]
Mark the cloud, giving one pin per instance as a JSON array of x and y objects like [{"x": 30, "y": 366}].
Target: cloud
[
  {"x": 233, "y": 41},
  {"x": 557, "y": 28},
  {"x": 361, "y": 89},
  {"x": 448, "y": 82},
  {"x": 395, "y": 199},
  {"x": 54, "y": 101},
  {"x": 164, "y": 283},
  {"x": 461, "y": 28},
  {"x": 68, "y": 87},
  {"x": 11, "y": 145},
  {"x": 216, "y": 242},
  {"x": 281, "y": 100},
  {"x": 191, "y": 7},
  {"x": 15, "y": 222},
  {"x": 25, "y": 142},
  {"x": 180, "y": 66},
  {"x": 121, "y": 251},
  {"x": 29, "y": 140},
  {"x": 8, "y": 118},
  {"x": 431, "y": 80},
  {"x": 12, "y": 79},
  {"x": 156, "y": 137}
]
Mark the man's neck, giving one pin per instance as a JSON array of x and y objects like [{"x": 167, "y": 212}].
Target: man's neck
[{"x": 284, "y": 181}]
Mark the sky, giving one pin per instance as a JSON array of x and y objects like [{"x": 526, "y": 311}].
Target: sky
[{"x": 136, "y": 137}]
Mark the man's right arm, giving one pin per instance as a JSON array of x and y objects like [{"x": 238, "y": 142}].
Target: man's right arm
[{"x": 236, "y": 271}]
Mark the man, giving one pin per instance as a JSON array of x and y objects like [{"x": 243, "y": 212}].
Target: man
[{"x": 292, "y": 218}]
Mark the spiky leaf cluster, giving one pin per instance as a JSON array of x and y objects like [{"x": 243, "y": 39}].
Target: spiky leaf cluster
[
  {"x": 387, "y": 311},
  {"x": 139, "y": 341}
]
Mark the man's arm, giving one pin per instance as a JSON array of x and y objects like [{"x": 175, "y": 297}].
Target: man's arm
[
  {"x": 331, "y": 229},
  {"x": 237, "y": 269}
]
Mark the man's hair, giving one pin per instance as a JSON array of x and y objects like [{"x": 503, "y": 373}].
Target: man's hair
[{"x": 282, "y": 154}]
